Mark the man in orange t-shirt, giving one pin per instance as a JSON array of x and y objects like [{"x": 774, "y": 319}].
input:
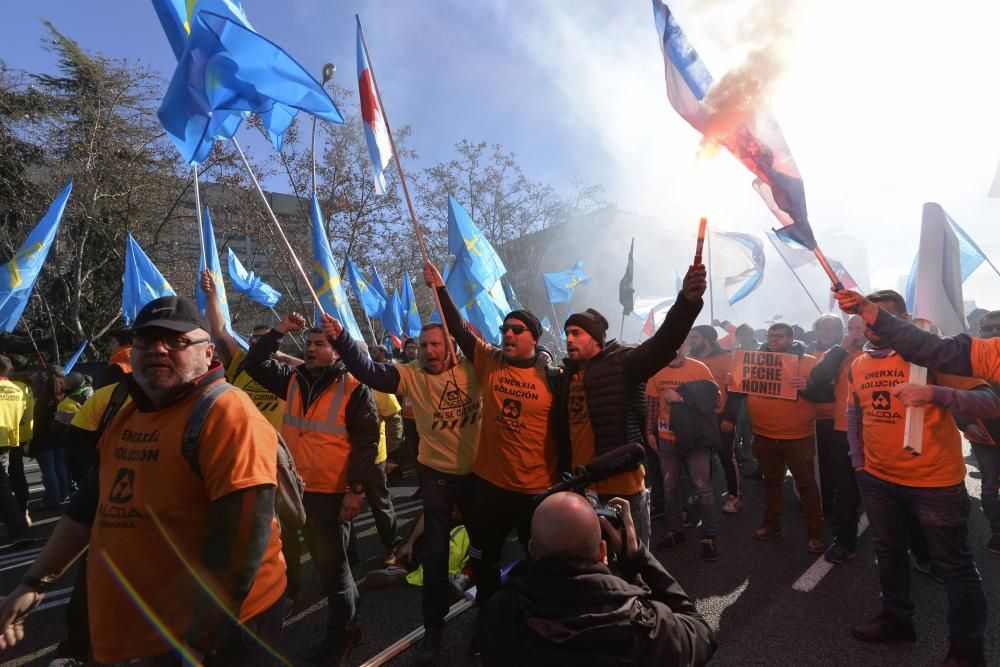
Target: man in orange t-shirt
[
  {"x": 784, "y": 434},
  {"x": 516, "y": 458},
  {"x": 900, "y": 488},
  {"x": 159, "y": 529}
]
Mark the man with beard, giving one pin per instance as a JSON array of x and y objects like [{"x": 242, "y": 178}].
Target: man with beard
[
  {"x": 898, "y": 487},
  {"x": 601, "y": 401},
  {"x": 517, "y": 454},
  {"x": 197, "y": 547},
  {"x": 447, "y": 410},
  {"x": 331, "y": 427}
]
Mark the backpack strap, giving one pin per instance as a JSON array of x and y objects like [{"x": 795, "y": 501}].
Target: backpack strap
[
  {"x": 118, "y": 397},
  {"x": 192, "y": 432}
]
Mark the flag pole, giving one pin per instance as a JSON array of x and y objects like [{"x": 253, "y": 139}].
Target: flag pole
[
  {"x": 277, "y": 225},
  {"x": 831, "y": 274},
  {"x": 197, "y": 208},
  {"x": 801, "y": 284},
  {"x": 27, "y": 329},
  {"x": 402, "y": 179},
  {"x": 329, "y": 70},
  {"x": 711, "y": 289}
]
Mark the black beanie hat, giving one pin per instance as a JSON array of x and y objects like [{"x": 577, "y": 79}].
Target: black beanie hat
[
  {"x": 707, "y": 332},
  {"x": 590, "y": 321},
  {"x": 530, "y": 321}
]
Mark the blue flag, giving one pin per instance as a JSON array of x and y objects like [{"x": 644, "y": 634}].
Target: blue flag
[
  {"x": 471, "y": 248},
  {"x": 370, "y": 299},
  {"x": 247, "y": 282},
  {"x": 215, "y": 268},
  {"x": 409, "y": 312},
  {"x": 18, "y": 275},
  {"x": 512, "y": 299},
  {"x": 326, "y": 278},
  {"x": 378, "y": 285},
  {"x": 227, "y": 69},
  {"x": 390, "y": 315},
  {"x": 474, "y": 303},
  {"x": 143, "y": 282},
  {"x": 68, "y": 368},
  {"x": 560, "y": 286},
  {"x": 969, "y": 252}
]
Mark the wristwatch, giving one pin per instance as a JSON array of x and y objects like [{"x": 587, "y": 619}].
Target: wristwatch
[
  {"x": 357, "y": 488},
  {"x": 37, "y": 583}
]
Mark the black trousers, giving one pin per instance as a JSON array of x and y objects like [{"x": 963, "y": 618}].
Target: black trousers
[{"x": 497, "y": 512}]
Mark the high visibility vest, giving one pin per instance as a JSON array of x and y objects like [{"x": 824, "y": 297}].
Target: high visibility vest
[
  {"x": 122, "y": 358},
  {"x": 317, "y": 437}
]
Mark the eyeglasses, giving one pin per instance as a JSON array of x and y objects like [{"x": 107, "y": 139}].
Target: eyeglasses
[
  {"x": 989, "y": 328},
  {"x": 173, "y": 342},
  {"x": 516, "y": 328}
]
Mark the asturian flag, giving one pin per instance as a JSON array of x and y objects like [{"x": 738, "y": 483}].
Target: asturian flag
[
  {"x": 757, "y": 143},
  {"x": 741, "y": 258},
  {"x": 376, "y": 131},
  {"x": 934, "y": 289}
]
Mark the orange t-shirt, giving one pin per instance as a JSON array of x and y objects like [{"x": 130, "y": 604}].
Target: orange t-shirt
[
  {"x": 678, "y": 372},
  {"x": 581, "y": 435},
  {"x": 883, "y": 424},
  {"x": 516, "y": 447},
  {"x": 781, "y": 419},
  {"x": 985, "y": 358},
  {"x": 841, "y": 392},
  {"x": 721, "y": 365},
  {"x": 152, "y": 502}
]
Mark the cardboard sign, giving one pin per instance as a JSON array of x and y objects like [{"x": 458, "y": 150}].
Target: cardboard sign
[{"x": 765, "y": 373}]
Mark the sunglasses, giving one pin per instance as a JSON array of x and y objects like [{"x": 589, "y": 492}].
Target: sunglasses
[
  {"x": 516, "y": 328},
  {"x": 989, "y": 328}
]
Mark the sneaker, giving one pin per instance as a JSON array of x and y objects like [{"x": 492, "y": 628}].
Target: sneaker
[
  {"x": 390, "y": 576},
  {"x": 885, "y": 628},
  {"x": 391, "y": 556},
  {"x": 960, "y": 656},
  {"x": 708, "y": 550},
  {"x": 767, "y": 532},
  {"x": 671, "y": 540},
  {"x": 732, "y": 505},
  {"x": 839, "y": 553},
  {"x": 429, "y": 649},
  {"x": 993, "y": 546}
]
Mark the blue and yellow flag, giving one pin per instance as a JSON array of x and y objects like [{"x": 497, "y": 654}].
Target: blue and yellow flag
[
  {"x": 371, "y": 301},
  {"x": 215, "y": 268},
  {"x": 19, "y": 273},
  {"x": 247, "y": 282},
  {"x": 143, "y": 282},
  {"x": 475, "y": 303},
  {"x": 227, "y": 69},
  {"x": 326, "y": 278},
  {"x": 390, "y": 315},
  {"x": 470, "y": 247},
  {"x": 559, "y": 286},
  {"x": 410, "y": 316}
]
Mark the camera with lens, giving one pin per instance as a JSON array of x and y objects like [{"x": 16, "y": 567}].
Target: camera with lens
[{"x": 610, "y": 512}]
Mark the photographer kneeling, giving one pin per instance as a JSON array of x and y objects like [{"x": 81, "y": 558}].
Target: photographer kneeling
[{"x": 565, "y": 605}]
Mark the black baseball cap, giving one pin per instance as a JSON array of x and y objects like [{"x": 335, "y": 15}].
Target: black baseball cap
[{"x": 176, "y": 313}]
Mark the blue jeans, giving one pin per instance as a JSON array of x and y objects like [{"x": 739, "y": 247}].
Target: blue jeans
[
  {"x": 988, "y": 457},
  {"x": 55, "y": 475},
  {"x": 441, "y": 492},
  {"x": 698, "y": 462},
  {"x": 943, "y": 513}
]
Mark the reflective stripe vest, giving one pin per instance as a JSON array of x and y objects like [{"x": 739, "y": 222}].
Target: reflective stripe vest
[{"x": 317, "y": 437}]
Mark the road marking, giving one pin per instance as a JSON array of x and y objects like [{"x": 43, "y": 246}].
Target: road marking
[
  {"x": 809, "y": 580},
  {"x": 415, "y": 636},
  {"x": 19, "y": 555}
]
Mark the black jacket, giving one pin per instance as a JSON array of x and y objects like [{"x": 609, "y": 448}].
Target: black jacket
[
  {"x": 361, "y": 413},
  {"x": 560, "y": 613},
  {"x": 693, "y": 422},
  {"x": 615, "y": 382}
]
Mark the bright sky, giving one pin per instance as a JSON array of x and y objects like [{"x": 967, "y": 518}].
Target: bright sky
[{"x": 885, "y": 105}]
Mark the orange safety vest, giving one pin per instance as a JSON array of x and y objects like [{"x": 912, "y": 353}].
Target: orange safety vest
[
  {"x": 317, "y": 437},
  {"x": 122, "y": 358}
]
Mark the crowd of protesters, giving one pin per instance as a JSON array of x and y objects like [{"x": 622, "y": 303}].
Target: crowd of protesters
[{"x": 194, "y": 473}]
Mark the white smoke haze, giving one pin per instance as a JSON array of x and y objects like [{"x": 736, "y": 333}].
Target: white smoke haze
[{"x": 879, "y": 119}]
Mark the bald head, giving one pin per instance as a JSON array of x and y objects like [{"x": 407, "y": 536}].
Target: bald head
[{"x": 565, "y": 525}]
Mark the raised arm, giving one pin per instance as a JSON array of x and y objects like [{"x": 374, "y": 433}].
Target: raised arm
[
  {"x": 457, "y": 325},
  {"x": 224, "y": 341},
  {"x": 381, "y": 377},
  {"x": 272, "y": 374}
]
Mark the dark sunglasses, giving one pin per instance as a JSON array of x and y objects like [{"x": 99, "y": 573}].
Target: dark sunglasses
[
  {"x": 516, "y": 328},
  {"x": 989, "y": 328}
]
